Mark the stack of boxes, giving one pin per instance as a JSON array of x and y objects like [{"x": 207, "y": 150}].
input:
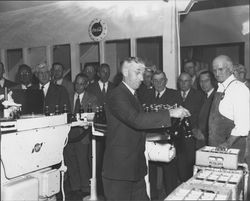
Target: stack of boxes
[{"x": 217, "y": 176}]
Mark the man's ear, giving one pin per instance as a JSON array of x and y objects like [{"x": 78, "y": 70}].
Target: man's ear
[{"x": 125, "y": 72}]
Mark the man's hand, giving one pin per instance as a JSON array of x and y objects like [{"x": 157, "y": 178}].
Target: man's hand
[
  {"x": 179, "y": 112},
  {"x": 227, "y": 144}
]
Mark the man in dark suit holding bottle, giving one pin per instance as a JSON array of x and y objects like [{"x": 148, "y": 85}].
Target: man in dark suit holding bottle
[{"x": 124, "y": 165}]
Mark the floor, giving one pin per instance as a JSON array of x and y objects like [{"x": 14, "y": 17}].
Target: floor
[
  {"x": 73, "y": 195},
  {"x": 70, "y": 195}
]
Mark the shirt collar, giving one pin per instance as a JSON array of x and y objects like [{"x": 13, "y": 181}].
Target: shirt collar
[
  {"x": 80, "y": 96},
  {"x": 24, "y": 86},
  {"x": 129, "y": 88},
  {"x": 161, "y": 93},
  {"x": 185, "y": 92},
  {"x": 46, "y": 86},
  {"x": 210, "y": 92},
  {"x": 228, "y": 80},
  {"x": 59, "y": 82},
  {"x": 2, "y": 82},
  {"x": 101, "y": 83}
]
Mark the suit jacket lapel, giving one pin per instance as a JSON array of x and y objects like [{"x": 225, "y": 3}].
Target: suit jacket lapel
[{"x": 131, "y": 97}]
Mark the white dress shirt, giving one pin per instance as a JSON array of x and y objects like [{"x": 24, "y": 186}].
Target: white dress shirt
[
  {"x": 235, "y": 105},
  {"x": 24, "y": 86},
  {"x": 161, "y": 93},
  {"x": 186, "y": 93},
  {"x": 210, "y": 92},
  {"x": 45, "y": 89},
  {"x": 59, "y": 82},
  {"x": 80, "y": 97},
  {"x": 101, "y": 85},
  {"x": 2, "y": 82}
]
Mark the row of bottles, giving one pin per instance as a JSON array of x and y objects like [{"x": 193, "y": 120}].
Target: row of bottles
[
  {"x": 65, "y": 109},
  {"x": 156, "y": 108},
  {"x": 100, "y": 115}
]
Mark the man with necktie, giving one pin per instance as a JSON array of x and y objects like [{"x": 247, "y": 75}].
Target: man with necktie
[
  {"x": 124, "y": 165},
  {"x": 163, "y": 95},
  {"x": 100, "y": 89},
  {"x": 77, "y": 152},
  {"x": 53, "y": 94},
  {"x": 209, "y": 86},
  {"x": 103, "y": 86},
  {"x": 192, "y": 99}
]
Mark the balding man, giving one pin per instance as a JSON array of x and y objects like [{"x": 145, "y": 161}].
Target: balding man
[
  {"x": 124, "y": 165},
  {"x": 229, "y": 114}
]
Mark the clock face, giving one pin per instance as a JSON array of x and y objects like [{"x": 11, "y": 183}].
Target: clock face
[{"x": 97, "y": 29}]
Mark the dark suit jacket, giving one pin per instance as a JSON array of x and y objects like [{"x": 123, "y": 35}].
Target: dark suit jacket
[
  {"x": 95, "y": 89},
  {"x": 193, "y": 103},
  {"x": 170, "y": 97},
  {"x": 56, "y": 95},
  {"x": 125, "y": 141},
  {"x": 145, "y": 94},
  {"x": 204, "y": 115},
  {"x": 8, "y": 83}
]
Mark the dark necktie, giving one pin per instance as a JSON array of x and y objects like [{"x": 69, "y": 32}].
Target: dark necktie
[
  {"x": 184, "y": 94},
  {"x": 42, "y": 88},
  {"x": 135, "y": 95},
  {"x": 77, "y": 104},
  {"x": 158, "y": 96},
  {"x": 103, "y": 89}
]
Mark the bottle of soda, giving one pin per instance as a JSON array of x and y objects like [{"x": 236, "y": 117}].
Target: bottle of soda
[
  {"x": 97, "y": 115},
  {"x": 46, "y": 111},
  {"x": 100, "y": 114},
  {"x": 57, "y": 111},
  {"x": 81, "y": 111},
  {"x": 65, "y": 109},
  {"x": 89, "y": 109},
  {"x": 104, "y": 115}
]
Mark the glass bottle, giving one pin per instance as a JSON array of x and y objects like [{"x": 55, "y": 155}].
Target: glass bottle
[
  {"x": 57, "y": 110},
  {"x": 65, "y": 109},
  {"x": 89, "y": 109},
  {"x": 46, "y": 112},
  {"x": 97, "y": 115},
  {"x": 81, "y": 111}
]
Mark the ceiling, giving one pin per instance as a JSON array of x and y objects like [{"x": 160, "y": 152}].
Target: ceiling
[
  {"x": 212, "y": 4},
  {"x": 6, "y": 6}
]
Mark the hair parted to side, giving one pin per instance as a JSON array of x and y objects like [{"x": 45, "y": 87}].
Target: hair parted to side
[{"x": 130, "y": 60}]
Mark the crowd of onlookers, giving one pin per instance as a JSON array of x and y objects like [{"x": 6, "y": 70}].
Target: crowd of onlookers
[{"x": 196, "y": 88}]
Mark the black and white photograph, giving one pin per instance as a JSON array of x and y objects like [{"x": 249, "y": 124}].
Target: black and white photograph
[{"x": 124, "y": 100}]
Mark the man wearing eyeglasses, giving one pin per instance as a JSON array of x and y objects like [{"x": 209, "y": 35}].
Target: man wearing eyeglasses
[{"x": 124, "y": 165}]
